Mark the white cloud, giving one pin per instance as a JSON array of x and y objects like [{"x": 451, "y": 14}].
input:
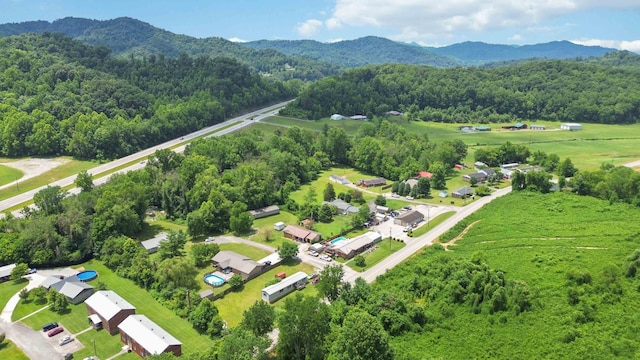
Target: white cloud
[
  {"x": 415, "y": 20},
  {"x": 633, "y": 45},
  {"x": 516, "y": 37},
  {"x": 309, "y": 27},
  {"x": 237, "y": 40}
]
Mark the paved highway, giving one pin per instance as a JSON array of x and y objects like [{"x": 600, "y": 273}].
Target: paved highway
[{"x": 242, "y": 121}]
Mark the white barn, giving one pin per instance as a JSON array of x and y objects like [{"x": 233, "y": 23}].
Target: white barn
[
  {"x": 284, "y": 287},
  {"x": 337, "y": 117},
  {"x": 571, "y": 126}
]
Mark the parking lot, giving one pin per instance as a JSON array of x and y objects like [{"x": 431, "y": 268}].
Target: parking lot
[
  {"x": 70, "y": 347},
  {"x": 388, "y": 228}
]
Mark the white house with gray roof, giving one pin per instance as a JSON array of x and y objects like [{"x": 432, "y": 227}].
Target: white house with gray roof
[
  {"x": 152, "y": 245},
  {"x": 287, "y": 285},
  {"x": 146, "y": 338},
  {"x": 107, "y": 310}
]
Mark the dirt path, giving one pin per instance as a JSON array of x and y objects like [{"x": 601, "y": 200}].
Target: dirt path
[
  {"x": 453, "y": 241},
  {"x": 634, "y": 165}
]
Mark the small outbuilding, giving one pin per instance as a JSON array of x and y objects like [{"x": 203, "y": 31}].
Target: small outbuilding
[
  {"x": 337, "y": 117},
  {"x": 279, "y": 226},
  {"x": 571, "y": 126},
  {"x": 339, "y": 179},
  {"x": 153, "y": 244},
  {"x": 443, "y": 194},
  {"x": 538, "y": 127},
  {"x": 5, "y": 272}
]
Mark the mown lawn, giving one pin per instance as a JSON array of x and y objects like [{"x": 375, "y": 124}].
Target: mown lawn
[
  {"x": 232, "y": 305},
  {"x": 9, "y": 351},
  {"x": 432, "y": 223},
  {"x": 7, "y": 290},
  {"x": 266, "y": 224},
  {"x": 383, "y": 249},
  {"x": 74, "y": 319},
  {"x": 9, "y": 174}
]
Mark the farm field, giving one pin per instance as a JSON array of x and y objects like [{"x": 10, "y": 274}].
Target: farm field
[
  {"x": 543, "y": 240},
  {"x": 587, "y": 148}
]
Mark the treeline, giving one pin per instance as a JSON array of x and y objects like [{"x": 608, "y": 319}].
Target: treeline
[
  {"x": 59, "y": 96},
  {"x": 549, "y": 90}
]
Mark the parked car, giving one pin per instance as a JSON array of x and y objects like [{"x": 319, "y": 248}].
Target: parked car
[
  {"x": 407, "y": 207},
  {"x": 394, "y": 195},
  {"x": 65, "y": 340},
  {"x": 55, "y": 331},
  {"x": 68, "y": 356},
  {"x": 313, "y": 276},
  {"x": 313, "y": 253},
  {"x": 409, "y": 197},
  {"x": 210, "y": 239},
  {"x": 89, "y": 358},
  {"x": 406, "y": 228},
  {"x": 49, "y": 326},
  {"x": 32, "y": 271}
]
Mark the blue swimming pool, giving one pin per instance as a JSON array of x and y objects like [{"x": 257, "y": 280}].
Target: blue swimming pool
[
  {"x": 338, "y": 240},
  {"x": 87, "y": 275},
  {"x": 213, "y": 280}
]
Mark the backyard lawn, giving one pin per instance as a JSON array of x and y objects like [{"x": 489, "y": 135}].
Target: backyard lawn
[
  {"x": 383, "y": 249},
  {"x": 232, "y": 305},
  {"x": 8, "y": 350},
  {"x": 7, "y": 290}
]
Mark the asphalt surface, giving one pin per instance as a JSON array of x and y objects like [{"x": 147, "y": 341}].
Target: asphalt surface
[{"x": 242, "y": 121}]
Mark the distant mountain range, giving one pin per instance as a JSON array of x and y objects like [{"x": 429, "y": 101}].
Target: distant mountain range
[{"x": 306, "y": 59}]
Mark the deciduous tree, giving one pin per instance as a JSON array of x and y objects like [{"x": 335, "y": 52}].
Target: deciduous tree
[{"x": 259, "y": 318}]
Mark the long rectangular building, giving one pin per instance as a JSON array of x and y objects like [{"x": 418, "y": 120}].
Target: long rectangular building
[
  {"x": 146, "y": 338},
  {"x": 284, "y": 287}
]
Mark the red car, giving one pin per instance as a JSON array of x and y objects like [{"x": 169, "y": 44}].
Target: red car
[{"x": 55, "y": 331}]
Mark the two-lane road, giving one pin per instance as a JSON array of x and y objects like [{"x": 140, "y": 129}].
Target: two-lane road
[{"x": 242, "y": 121}]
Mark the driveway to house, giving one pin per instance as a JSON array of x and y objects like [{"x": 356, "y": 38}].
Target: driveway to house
[
  {"x": 415, "y": 244},
  {"x": 31, "y": 342}
]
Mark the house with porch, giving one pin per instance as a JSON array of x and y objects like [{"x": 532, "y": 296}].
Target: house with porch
[
  {"x": 107, "y": 310},
  {"x": 301, "y": 234},
  {"x": 146, "y": 338},
  {"x": 232, "y": 262}
]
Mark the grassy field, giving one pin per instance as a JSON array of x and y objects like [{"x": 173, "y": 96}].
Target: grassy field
[
  {"x": 9, "y": 174},
  {"x": 432, "y": 223},
  {"x": 7, "y": 290},
  {"x": 587, "y": 148},
  {"x": 383, "y": 249},
  {"x": 8, "y": 350},
  {"x": 540, "y": 239},
  {"x": 232, "y": 305}
]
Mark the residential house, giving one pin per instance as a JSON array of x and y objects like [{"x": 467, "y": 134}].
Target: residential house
[
  {"x": 411, "y": 182},
  {"x": 538, "y": 127},
  {"x": 393, "y": 113},
  {"x": 343, "y": 207},
  {"x": 358, "y": 117},
  {"x": 409, "y": 218},
  {"x": 354, "y": 246},
  {"x": 372, "y": 182},
  {"x": 516, "y": 126},
  {"x": 287, "y": 285},
  {"x": 509, "y": 166},
  {"x": 146, "y": 338},
  {"x": 479, "y": 176},
  {"x": 424, "y": 174},
  {"x": 107, "y": 310},
  {"x": 339, "y": 179},
  {"x": 301, "y": 234},
  {"x": 265, "y": 211},
  {"x": 152, "y": 245},
  {"x": 5, "y": 272},
  {"x": 75, "y": 290},
  {"x": 570, "y": 126},
  {"x": 231, "y": 262},
  {"x": 337, "y": 117},
  {"x": 487, "y": 172},
  {"x": 462, "y": 192},
  {"x": 482, "y": 128}
]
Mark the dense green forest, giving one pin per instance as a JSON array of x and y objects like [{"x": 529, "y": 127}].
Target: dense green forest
[
  {"x": 58, "y": 96},
  {"x": 127, "y": 37},
  {"x": 549, "y": 90}
]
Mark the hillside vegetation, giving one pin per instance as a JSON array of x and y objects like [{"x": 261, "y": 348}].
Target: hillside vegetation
[
  {"x": 573, "y": 258},
  {"x": 549, "y": 90},
  {"x": 130, "y": 37},
  {"x": 58, "y": 96}
]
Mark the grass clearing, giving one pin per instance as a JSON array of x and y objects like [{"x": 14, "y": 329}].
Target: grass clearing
[
  {"x": 74, "y": 319},
  {"x": 232, "y": 305},
  {"x": 383, "y": 249},
  {"x": 9, "y": 350},
  {"x": 432, "y": 223},
  {"x": 8, "y": 289},
  {"x": 9, "y": 174}
]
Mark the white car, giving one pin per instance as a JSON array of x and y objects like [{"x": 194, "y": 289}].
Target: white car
[
  {"x": 406, "y": 228},
  {"x": 210, "y": 239},
  {"x": 409, "y": 197},
  {"x": 65, "y": 340}
]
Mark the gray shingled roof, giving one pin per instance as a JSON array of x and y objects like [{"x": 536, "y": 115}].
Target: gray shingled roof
[
  {"x": 230, "y": 259},
  {"x": 148, "y": 334},
  {"x": 108, "y": 304}
]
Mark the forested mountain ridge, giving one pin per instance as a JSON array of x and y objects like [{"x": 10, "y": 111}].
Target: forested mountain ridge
[
  {"x": 475, "y": 53},
  {"x": 550, "y": 90},
  {"x": 130, "y": 37},
  {"x": 354, "y": 53},
  {"x": 59, "y": 96}
]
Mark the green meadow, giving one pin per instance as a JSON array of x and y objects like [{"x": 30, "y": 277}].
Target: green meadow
[{"x": 543, "y": 240}]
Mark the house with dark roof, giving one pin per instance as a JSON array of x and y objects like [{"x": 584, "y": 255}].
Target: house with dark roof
[
  {"x": 487, "y": 171},
  {"x": 409, "y": 218},
  {"x": 301, "y": 234},
  {"x": 146, "y": 338},
  {"x": 265, "y": 211},
  {"x": 231, "y": 262},
  {"x": 107, "y": 310},
  {"x": 372, "y": 182},
  {"x": 479, "y": 176},
  {"x": 5, "y": 272},
  {"x": 153, "y": 244},
  {"x": 75, "y": 290},
  {"x": 462, "y": 192},
  {"x": 516, "y": 126}
]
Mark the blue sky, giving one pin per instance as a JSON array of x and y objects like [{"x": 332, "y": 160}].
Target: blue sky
[{"x": 428, "y": 22}]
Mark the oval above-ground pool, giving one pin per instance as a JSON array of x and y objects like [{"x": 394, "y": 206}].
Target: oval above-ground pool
[
  {"x": 213, "y": 280},
  {"x": 87, "y": 275}
]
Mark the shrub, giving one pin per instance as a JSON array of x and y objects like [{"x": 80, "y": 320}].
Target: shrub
[{"x": 360, "y": 261}]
